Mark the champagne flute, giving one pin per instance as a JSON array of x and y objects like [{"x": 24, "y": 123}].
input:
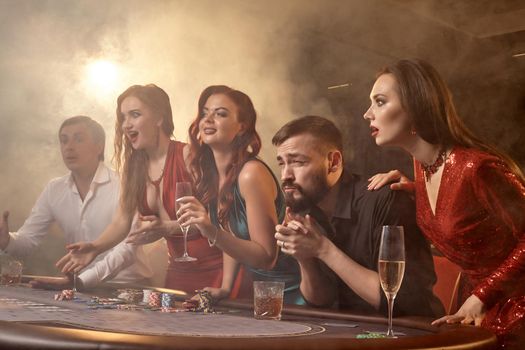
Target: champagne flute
[
  {"x": 391, "y": 266},
  {"x": 74, "y": 281},
  {"x": 183, "y": 189}
]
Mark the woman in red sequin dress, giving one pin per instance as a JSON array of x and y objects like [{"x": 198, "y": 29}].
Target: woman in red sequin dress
[{"x": 470, "y": 198}]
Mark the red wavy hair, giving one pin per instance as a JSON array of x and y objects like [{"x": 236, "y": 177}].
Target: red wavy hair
[
  {"x": 132, "y": 164},
  {"x": 246, "y": 145}
]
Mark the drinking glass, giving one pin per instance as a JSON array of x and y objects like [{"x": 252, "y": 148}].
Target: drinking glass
[
  {"x": 11, "y": 272},
  {"x": 268, "y": 299},
  {"x": 183, "y": 189},
  {"x": 391, "y": 266}
]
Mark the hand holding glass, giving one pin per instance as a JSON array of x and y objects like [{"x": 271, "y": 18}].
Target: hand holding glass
[
  {"x": 183, "y": 189},
  {"x": 391, "y": 266}
]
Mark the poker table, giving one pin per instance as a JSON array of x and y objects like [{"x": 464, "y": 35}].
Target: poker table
[{"x": 32, "y": 319}]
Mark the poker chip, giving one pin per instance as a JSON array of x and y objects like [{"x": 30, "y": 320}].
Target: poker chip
[
  {"x": 204, "y": 302},
  {"x": 371, "y": 335},
  {"x": 132, "y": 296},
  {"x": 155, "y": 299},
  {"x": 168, "y": 300},
  {"x": 145, "y": 295},
  {"x": 128, "y": 307},
  {"x": 172, "y": 310},
  {"x": 105, "y": 301},
  {"x": 66, "y": 294}
]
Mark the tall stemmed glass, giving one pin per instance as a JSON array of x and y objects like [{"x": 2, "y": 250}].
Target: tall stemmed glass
[
  {"x": 183, "y": 189},
  {"x": 391, "y": 266}
]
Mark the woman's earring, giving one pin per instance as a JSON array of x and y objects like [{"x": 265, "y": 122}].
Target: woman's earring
[{"x": 413, "y": 132}]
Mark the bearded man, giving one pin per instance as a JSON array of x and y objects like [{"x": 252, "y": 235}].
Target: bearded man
[{"x": 334, "y": 225}]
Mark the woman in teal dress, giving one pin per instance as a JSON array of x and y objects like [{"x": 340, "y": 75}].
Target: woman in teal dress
[{"x": 237, "y": 199}]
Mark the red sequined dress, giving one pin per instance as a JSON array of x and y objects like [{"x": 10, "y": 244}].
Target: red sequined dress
[
  {"x": 206, "y": 271},
  {"x": 479, "y": 224}
]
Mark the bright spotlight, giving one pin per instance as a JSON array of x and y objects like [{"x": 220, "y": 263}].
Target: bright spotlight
[{"x": 102, "y": 76}]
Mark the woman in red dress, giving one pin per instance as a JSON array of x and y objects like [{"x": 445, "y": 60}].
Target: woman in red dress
[
  {"x": 470, "y": 198},
  {"x": 150, "y": 164}
]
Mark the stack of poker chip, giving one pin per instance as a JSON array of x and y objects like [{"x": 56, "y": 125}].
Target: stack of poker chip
[
  {"x": 145, "y": 296},
  {"x": 132, "y": 296},
  {"x": 66, "y": 294},
  {"x": 155, "y": 299},
  {"x": 168, "y": 300}
]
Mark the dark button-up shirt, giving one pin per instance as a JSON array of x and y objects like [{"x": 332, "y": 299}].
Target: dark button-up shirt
[{"x": 355, "y": 228}]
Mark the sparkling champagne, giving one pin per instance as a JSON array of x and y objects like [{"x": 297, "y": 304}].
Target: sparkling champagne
[{"x": 391, "y": 275}]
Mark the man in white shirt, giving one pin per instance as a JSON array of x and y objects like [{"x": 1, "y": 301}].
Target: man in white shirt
[{"x": 82, "y": 203}]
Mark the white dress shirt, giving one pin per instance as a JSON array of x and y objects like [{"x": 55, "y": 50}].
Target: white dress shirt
[{"x": 83, "y": 221}]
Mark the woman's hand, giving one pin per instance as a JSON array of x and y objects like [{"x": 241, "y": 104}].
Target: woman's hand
[
  {"x": 150, "y": 228},
  {"x": 403, "y": 183},
  {"x": 192, "y": 212},
  {"x": 472, "y": 311},
  {"x": 80, "y": 255},
  {"x": 216, "y": 293}
]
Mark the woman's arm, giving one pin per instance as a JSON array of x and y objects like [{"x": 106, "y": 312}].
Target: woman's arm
[
  {"x": 151, "y": 228},
  {"x": 259, "y": 191},
  {"x": 502, "y": 194},
  {"x": 258, "y": 188},
  {"x": 230, "y": 267}
]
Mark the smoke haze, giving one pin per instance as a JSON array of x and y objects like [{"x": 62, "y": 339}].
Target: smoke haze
[{"x": 283, "y": 54}]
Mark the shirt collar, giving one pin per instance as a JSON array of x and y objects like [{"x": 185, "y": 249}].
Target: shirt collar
[{"x": 101, "y": 176}]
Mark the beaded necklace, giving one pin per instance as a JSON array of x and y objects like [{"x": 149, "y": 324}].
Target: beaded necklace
[{"x": 431, "y": 169}]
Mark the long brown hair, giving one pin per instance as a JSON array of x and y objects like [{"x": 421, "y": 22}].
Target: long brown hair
[
  {"x": 130, "y": 163},
  {"x": 246, "y": 145},
  {"x": 428, "y": 102}
]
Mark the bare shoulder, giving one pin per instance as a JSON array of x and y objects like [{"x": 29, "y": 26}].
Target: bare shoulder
[
  {"x": 254, "y": 171},
  {"x": 256, "y": 177}
]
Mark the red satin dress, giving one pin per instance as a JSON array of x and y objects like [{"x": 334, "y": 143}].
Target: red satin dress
[
  {"x": 206, "y": 271},
  {"x": 479, "y": 224}
]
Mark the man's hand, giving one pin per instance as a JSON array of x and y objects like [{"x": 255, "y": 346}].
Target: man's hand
[
  {"x": 80, "y": 255},
  {"x": 4, "y": 230},
  {"x": 301, "y": 237}
]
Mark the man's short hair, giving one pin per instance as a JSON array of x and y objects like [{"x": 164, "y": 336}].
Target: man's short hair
[
  {"x": 321, "y": 128},
  {"x": 97, "y": 131}
]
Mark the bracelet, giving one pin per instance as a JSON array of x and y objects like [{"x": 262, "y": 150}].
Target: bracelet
[{"x": 212, "y": 242}]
